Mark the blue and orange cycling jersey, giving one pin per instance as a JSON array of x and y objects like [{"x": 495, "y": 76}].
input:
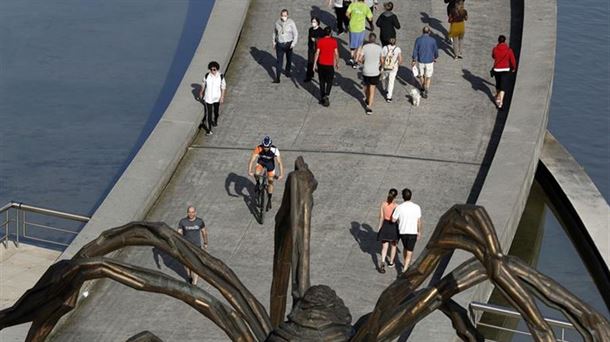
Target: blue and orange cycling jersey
[{"x": 267, "y": 158}]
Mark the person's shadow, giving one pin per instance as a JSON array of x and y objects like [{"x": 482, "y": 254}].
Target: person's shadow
[
  {"x": 326, "y": 18},
  {"x": 244, "y": 188},
  {"x": 196, "y": 89},
  {"x": 367, "y": 240},
  {"x": 169, "y": 262},
  {"x": 479, "y": 84},
  {"x": 299, "y": 66},
  {"x": 438, "y": 26},
  {"x": 352, "y": 88},
  {"x": 264, "y": 59},
  {"x": 434, "y": 23}
]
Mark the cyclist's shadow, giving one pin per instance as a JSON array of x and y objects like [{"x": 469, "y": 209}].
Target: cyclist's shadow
[{"x": 241, "y": 183}]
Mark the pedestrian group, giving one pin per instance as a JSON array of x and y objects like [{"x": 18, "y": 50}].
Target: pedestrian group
[{"x": 379, "y": 65}]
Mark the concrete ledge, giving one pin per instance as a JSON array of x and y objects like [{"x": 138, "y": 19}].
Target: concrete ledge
[
  {"x": 513, "y": 168},
  {"x": 151, "y": 169},
  {"x": 512, "y": 171},
  {"x": 580, "y": 206}
]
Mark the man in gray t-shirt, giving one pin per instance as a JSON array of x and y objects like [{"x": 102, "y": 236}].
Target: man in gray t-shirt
[
  {"x": 193, "y": 229},
  {"x": 371, "y": 59}
]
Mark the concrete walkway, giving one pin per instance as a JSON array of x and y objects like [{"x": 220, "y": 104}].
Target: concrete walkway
[
  {"x": 20, "y": 269},
  {"x": 435, "y": 149}
]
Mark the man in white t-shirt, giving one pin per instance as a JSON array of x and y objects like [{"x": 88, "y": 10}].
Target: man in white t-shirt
[
  {"x": 212, "y": 93},
  {"x": 408, "y": 215}
]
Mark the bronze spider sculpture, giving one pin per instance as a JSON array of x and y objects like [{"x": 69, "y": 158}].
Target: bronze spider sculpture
[{"x": 317, "y": 312}]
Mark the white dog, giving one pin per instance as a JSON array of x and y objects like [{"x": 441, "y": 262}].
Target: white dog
[{"x": 415, "y": 96}]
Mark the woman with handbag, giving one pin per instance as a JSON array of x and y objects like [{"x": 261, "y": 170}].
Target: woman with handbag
[
  {"x": 392, "y": 58},
  {"x": 388, "y": 230},
  {"x": 457, "y": 18},
  {"x": 504, "y": 65}
]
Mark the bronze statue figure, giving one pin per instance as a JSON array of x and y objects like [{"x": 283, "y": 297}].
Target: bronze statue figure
[{"x": 317, "y": 312}]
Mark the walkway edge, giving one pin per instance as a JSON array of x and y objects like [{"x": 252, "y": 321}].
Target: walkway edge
[
  {"x": 581, "y": 205},
  {"x": 513, "y": 168},
  {"x": 151, "y": 169}
]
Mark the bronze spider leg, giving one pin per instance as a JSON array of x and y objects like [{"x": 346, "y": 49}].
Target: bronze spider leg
[
  {"x": 44, "y": 305},
  {"x": 211, "y": 269},
  {"x": 292, "y": 240},
  {"x": 591, "y": 325},
  {"x": 469, "y": 228},
  {"x": 431, "y": 298}
]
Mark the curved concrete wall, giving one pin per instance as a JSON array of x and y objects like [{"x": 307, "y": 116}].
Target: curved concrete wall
[
  {"x": 151, "y": 169},
  {"x": 580, "y": 206},
  {"x": 508, "y": 182},
  {"x": 512, "y": 171}
]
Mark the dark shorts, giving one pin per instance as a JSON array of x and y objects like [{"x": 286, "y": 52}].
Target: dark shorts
[
  {"x": 371, "y": 80},
  {"x": 408, "y": 241},
  {"x": 502, "y": 80}
]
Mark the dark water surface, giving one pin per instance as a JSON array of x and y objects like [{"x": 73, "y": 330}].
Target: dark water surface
[
  {"x": 579, "y": 118},
  {"x": 82, "y": 84},
  {"x": 580, "y": 105}
]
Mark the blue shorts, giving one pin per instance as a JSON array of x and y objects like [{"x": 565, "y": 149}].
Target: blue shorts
[{"x": 356, "y": 39}]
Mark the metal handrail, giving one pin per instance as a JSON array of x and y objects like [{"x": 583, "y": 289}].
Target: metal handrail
[
  {"x": 20, "y": 220},
  {"x": 44, "y": 211},
  {"x": 506, "y": 312}
]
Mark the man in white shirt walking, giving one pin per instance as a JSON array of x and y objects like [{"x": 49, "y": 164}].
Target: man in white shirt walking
[
  {"x": 410, "y": 226},
  {"x": 213, "y": 94}
]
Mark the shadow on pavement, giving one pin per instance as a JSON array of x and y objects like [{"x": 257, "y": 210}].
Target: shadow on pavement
[
  {"x": 244, "y": 188},
  {"x": 367, "y": 240},
  {"x": 264, "y": 59},
  {"x": 439, "y": 27},
  {"x": 479, "y": 84},
  {"x": 169, "y": 262}
]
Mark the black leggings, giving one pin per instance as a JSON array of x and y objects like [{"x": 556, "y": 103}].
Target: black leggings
[
  {"x": 211, "y": 108},
  {"x": 342, "y": 19},
  {"x": 326, "y": 74}
]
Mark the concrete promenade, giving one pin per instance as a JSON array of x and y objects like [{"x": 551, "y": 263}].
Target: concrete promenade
[{"x": 436, "y": 150}]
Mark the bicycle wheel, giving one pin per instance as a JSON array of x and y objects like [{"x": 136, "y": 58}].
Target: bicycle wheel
[{"x": 261, "y": 202}]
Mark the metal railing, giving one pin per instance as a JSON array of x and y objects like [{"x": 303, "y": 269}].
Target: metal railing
[
  {"x": 473, "y": 307},
  {"x": 21, "y": 223}
]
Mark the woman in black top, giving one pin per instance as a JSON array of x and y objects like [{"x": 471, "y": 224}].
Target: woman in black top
[
  {"x": 315, "y": 32},
  {"x": 387, "y": 23}
]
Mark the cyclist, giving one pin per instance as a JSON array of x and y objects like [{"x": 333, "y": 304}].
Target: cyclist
[{"x": 266, "y": 155}]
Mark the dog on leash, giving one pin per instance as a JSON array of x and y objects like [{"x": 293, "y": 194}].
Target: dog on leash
[{"x": 415, "y": 96}]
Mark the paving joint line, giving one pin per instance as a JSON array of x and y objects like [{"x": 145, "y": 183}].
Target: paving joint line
[{"x": 382, "y": 155}]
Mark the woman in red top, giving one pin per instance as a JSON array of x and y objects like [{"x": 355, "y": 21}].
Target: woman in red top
[
  {"x": 388, "y": 230},
  {"x": 504, "y": 65}
]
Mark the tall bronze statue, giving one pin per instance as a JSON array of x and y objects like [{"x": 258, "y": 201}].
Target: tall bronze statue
[{"x": 317, "y": 312}]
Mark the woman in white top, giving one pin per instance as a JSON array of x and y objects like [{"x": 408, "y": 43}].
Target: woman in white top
[{"x": 392, "y": 58}]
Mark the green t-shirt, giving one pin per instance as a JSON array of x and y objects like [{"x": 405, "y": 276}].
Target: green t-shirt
[{"x": 359, "y": 12}]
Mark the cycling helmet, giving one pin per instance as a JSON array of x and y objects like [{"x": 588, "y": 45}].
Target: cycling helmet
[{"x": 267, "y": 141}]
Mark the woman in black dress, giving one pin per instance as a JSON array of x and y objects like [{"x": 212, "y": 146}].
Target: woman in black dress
[
  {"x": 315, "y": 32},
  {"x": 388, "y": 230}
]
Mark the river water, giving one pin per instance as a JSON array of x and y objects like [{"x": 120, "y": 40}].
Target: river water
[
  {"x": 579, "y": 120},
  {"x": 82, "y": 85}
]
